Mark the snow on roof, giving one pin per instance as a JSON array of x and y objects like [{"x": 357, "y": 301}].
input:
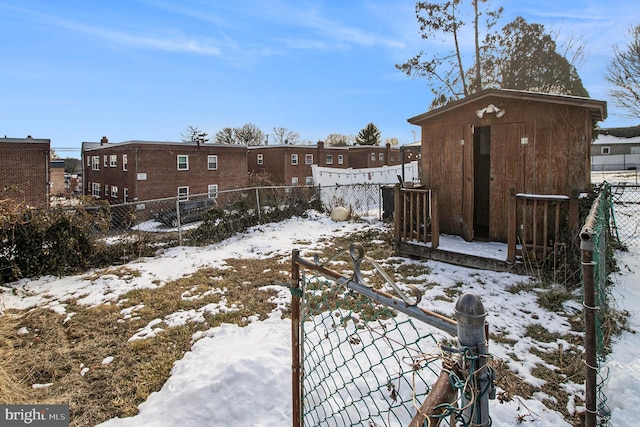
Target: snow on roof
[{"x": 611, "y": 140}]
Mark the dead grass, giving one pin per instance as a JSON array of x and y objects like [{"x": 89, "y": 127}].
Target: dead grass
[
  {"x": 53, "y": 352},
  {"x": 57, "y": 352}
]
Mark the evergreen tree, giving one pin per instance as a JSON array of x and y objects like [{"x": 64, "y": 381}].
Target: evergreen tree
[
  {"x": 525, "y": 57},
  {"x": 369, "y": 135}
]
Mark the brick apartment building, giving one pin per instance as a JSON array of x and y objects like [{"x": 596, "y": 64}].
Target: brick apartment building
[
  {"x": 145, "y": 170},
  {"x": 24, "y": 170},
  {"x": 291, "y": 164}
]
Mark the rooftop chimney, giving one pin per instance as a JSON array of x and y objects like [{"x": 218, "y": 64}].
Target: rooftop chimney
[{"x": 104, "y": 140}]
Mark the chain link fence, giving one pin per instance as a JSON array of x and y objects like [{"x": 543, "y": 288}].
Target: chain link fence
[
  {"x": 363, "y": 356},
  {"x": 626, "y": 213},
  {"x": 175, "y": 215}
]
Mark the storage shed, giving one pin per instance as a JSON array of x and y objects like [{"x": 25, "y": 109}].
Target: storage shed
[{"x": 481, "y": 151}]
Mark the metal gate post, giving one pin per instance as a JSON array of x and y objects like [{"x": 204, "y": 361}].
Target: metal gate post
[
  {"x": 472, "y": 335},
  {"x": 296, "y": 368}
]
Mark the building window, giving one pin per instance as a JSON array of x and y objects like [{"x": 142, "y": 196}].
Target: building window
[
  {"x": 381, "y": 157},
  {"x": 605, "y": 150},
  {"x": 113, "y": 160},
  {"x": 114, "y": 191},
  {"x": 95, "y": 163},
  {"x": 212, "y": 162},
  {"x": 294, "y": 159},
  {"x": 183, "y": 162},
  {"x": 260, "y": 159},
  {"x": 340, "y": 159},
  {"x": 329, "y": 159},
  {"x": 124, "y": 162},
  {"x": 95, "y": 189},
  {"x": 308, "y": 180},
  {"x": 183, "y": 193},
  {"x": 104, "y": 161},
  {"x": 88, "y": 161},
  {"x": 213, "y": 191},
  {"x": 308, "y": 159},
  {"x": 106, "y": 190},
  {"x": 125, "y": 194},
  {"x": 373, "y": 157},
  {"x": 294, "y": 180}
]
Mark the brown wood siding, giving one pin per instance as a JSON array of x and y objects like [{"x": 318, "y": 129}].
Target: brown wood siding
[{"x": 554, "y": 161}]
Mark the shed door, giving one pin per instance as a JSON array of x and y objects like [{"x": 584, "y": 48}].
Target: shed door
[
  {"x": 491, "y": 169},
  {"x": 481, "y": 182}
]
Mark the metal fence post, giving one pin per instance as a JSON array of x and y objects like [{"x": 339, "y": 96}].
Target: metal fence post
[
  {"x": 296, "y": 368},
  {"x": 178, "y": 219},
  {"x": 472, "y": 335},
  {"x": 258, "y": 205},
  {"x": 588, "y": 279}
]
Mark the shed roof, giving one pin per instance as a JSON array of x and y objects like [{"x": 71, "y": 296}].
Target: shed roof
[
  {"x": 597, "y": 108},
  {"x": 624, "y": 132}
]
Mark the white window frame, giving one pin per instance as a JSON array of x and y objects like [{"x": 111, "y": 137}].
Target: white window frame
[
  {"x": 114, "y": 191},
  {"x": 212, "y": 162},
  {"x": 308, "y": 180},
  {"x": 329, "y": 159},
  {"x": 185, "y": 163},
  {"x": 95, "y": 163},
  {"x": 381, "y": 157},
  {"x": 373, "y": 157},
  {"x": 605, "y": 150},
  {"x": 105, "y": 161},
  {"x": 212, "y": 189},
  {"x": 308, "y": 159},
  {"x": 294, "y": 159},
  {"x": 340, "y": 159},
  {"x": 95, "y": 189},
  {"x": 125, "y": 195},
  {"x": 260, "y": 159},
  {"x": 113, "y": 160},
  {"x": 294, "y": 180},
  {"x": 88, "y": 161},
  {"x": 106, "y": 190},
  {"x": 125, "y": 162},
  {"x": 183, "y": 193}
]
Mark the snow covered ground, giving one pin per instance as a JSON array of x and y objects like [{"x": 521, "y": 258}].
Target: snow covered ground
[{"x": 242, "y": 376}]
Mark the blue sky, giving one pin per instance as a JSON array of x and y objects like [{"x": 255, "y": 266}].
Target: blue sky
[{"x": 75, "y": 70}]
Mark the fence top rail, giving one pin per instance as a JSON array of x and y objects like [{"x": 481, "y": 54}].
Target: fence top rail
[
  {"x": 416, "y": 190},
  {"x": 548, "y": 197},
  {"x": 398, "y": 303}
]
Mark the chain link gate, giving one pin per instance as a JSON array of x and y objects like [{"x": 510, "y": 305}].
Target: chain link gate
[{"x": 364, "y": 356}]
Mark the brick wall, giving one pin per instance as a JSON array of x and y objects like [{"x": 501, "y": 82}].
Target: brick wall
[
  {"x": 152, "y": 169},
  {"x": 24, "y": 170}
]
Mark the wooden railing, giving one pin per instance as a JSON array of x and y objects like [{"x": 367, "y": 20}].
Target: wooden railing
[
  {"x": 535, "y": 223},
  {"x": 416, "y": 216}
]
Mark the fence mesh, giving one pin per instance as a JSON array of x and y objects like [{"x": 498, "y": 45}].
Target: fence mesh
[
  {"x": 363, "y": 363},
  {"x": 626, "y": 213},
  {"x": 603, "y": 316}
]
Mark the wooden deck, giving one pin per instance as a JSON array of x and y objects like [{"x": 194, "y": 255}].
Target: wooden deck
[
  {"x": 534, "y": 228},
  {"x": 454, "y": 250}
]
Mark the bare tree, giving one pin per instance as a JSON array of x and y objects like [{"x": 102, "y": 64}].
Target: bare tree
[
  {"x": 623, "y": 72},
  {"x": 338, "y": 140},
  {"x": 193, "y": 134},
  {"x": 442, "y": 20},
  {"x": 249, "y": 134},
  {"x": 283, "y": 135},
  {"x": 392, "y": 142},
  {"x": 226, "y": 136}
]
